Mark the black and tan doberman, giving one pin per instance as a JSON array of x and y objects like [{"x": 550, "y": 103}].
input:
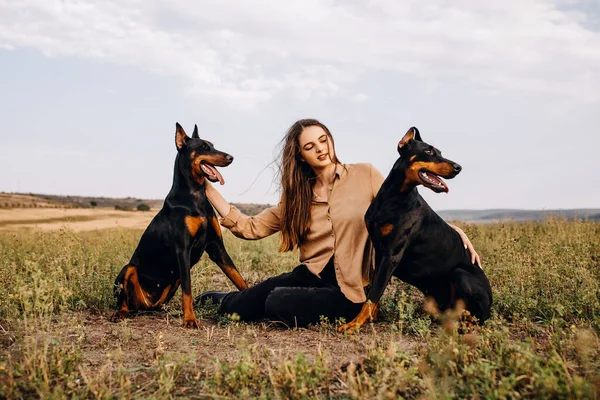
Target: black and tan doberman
[
  {"x": 183, "y": 229},
  {"x": 414, "y": 243}
]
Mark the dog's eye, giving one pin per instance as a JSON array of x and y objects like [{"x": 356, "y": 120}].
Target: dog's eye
[
  {"x": 428, "y": 152},
  {"x": 205, "y": 146}
]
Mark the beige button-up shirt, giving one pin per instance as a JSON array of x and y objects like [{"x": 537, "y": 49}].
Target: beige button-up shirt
[{"x": 337, "y": 228}]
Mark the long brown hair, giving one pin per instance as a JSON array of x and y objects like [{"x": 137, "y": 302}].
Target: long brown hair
[{"x": 297, "y": 181}]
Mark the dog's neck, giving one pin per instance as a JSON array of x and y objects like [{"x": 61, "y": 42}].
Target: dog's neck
[
  {"x": 185, "y": 184},
  {"x": 391, "y": 189}
]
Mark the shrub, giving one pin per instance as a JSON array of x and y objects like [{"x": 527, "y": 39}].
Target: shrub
[{"x": 143, "y": 207}]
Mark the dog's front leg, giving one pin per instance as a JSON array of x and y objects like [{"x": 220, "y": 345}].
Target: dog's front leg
[
  {"x": 383, "y": 274},
  {"x": 189, "y": 318},
  {"x": 216, "y": 251}
]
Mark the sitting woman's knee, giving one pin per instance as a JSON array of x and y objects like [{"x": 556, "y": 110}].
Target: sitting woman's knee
[
  {"x": 294, "y": 306},
  {"x": 275, "y": 305}
]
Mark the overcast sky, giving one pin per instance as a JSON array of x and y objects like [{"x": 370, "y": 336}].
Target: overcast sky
[{"x": 90, "y": 92}]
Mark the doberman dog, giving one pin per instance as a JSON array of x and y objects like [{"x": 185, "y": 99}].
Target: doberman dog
[
  {"x": 174, "y": 241},
  {"x": 414, "y": 243}
]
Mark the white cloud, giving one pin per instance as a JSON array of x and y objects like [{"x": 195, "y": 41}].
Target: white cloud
[
  {"x": 360, "y": 97},
  {"x": 248, "y": 52}
]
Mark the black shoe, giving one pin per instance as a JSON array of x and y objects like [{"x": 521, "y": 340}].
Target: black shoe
[{"x": 215, "y": 297}]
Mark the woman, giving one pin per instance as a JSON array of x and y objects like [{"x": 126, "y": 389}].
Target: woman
[{"x": 321, "y": 212}]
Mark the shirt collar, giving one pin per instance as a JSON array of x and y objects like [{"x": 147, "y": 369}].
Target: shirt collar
[
  {"x": 340, "y": 170},
  {"x": 340, "y": 173}
]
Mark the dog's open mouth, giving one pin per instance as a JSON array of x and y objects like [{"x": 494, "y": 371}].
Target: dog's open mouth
[
  {"x": 212, "y": 174},
  {"x": 432, "y": 181}
]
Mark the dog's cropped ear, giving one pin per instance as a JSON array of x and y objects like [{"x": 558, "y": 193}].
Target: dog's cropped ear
[
  {"x": 181, "y": 138},
  {"x": 417, "y": 134},
  {"x": 411, "y": 134},
  {"x": 195, "y": 133}
]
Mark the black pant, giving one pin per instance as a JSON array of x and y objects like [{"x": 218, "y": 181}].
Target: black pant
[{"x": 296, "y": 298}]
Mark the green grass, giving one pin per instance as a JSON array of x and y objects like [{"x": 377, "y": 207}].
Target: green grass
[{"x": 542, "y": 341}]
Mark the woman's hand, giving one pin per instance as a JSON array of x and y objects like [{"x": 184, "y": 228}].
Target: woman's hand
[
  {"x": 468, "y": 245},
  {"x": 217, "y": 201}
]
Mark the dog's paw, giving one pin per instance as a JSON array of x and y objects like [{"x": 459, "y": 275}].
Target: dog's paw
[
  {"x": 118, "y": 316},
  {"x": 191, "y": 323},
  {"x": 350, "y": 327}
]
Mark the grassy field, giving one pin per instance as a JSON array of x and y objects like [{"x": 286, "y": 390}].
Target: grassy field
[{"x": 542, "y": 342}]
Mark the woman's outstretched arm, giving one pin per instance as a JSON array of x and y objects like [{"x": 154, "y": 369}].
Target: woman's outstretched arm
[{"x": 259, "y": 226}]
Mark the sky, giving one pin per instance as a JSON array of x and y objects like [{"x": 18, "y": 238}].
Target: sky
[{"x": 90, "y": 92}]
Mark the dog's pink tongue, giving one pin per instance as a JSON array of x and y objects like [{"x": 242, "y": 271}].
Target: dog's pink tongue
[
  {"x": 213, "y": 172},
  {"x": 219, "y": 176}
]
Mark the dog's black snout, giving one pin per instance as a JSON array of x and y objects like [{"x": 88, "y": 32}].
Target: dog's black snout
[
  {"x": 229, "y": 158},
  {"x": 457, "y": 168}
]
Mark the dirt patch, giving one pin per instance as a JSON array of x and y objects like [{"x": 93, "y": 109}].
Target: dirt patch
[
  {"x": 146, "y": 347},
  {"x": 142, "y": 338}
]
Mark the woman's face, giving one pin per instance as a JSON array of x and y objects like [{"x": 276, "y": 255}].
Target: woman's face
[{"x": 315, "y": 147}]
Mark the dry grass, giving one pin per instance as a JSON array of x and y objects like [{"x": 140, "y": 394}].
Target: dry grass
[
  {"x": 542, "y": 342},
  {"x": 75, "y": 219}
]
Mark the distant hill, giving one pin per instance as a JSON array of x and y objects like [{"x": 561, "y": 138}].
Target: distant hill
[
  {"x": 495, "y": 215},
  {"x": 33, "y": 200},
  {"x": 22, "y": 200}
]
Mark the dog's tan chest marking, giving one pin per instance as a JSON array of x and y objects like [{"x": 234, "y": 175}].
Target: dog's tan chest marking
[
  {"x": 193, "y": 224},
  {"x": 386, "y": 229}
]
